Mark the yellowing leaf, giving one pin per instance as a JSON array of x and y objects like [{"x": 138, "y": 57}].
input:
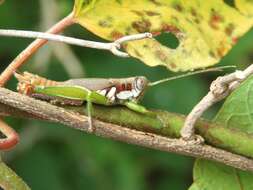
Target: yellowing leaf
[
  {"x": 206, "y": 29},
  {"x": 245, "y": 6}
]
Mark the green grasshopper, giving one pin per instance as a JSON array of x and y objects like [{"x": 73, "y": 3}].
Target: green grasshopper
[{"x": 123, "y": 91}]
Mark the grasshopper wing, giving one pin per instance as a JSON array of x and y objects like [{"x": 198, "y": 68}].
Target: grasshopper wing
[{"x": 92, "y": 84}]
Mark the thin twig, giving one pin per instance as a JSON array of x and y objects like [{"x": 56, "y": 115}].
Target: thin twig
[
  {"x": 112, "y": 46},
  {"x": 11, "y": 138},
  {"x": 32, "y": 48},
  {"x": 31, "y": 108},
  {"x": 219, "y": 89}
]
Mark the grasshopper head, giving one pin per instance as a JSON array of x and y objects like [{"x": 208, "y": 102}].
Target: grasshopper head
[{"x": 140, "y": 84}]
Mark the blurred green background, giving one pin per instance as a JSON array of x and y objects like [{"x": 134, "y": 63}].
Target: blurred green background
[{"x": 52, "y": 156}]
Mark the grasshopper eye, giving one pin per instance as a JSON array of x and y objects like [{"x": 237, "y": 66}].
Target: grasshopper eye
[{"x": 140, "y": 83}]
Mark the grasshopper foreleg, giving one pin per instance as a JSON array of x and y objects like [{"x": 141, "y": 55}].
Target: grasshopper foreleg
[{"x": 138, "y": 108}]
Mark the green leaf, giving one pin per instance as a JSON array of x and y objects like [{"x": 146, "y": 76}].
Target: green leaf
[
  {"x": 9, "y": 179},
  {"x": 210, "y": 175},
  {"x": 235, "y": 113},
  {"x": 206, "y": 30},
  {"x": 237, "y": 110}
]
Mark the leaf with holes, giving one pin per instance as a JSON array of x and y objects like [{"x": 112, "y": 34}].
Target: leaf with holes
[
  {"x": 210, "y": 175},
  {"x": 206, "y": 30}
]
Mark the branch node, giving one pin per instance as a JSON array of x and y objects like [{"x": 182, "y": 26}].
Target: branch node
[
  {"x": 192, "y": 139},
  {"x": 240, "y": 75},
  {"x": 219, "y": 89}
]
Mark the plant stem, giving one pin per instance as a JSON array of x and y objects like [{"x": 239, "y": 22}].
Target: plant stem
[
  {"x": 219, "y": 89},
  {"x": 32, "y": 48},
  {"x": 112, "y": 46},
  {"x": 11, "y": 138},
  {"x": 153, "y": 132}
]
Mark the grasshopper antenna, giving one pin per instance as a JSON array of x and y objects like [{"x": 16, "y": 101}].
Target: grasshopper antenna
[{"x": 215, "y": 69}]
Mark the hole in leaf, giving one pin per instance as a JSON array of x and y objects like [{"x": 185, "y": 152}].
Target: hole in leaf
[
  {"x": 230, "y": 3},
  {"x": 2, "y": 136},
  {"x": 168, "y": 39}
]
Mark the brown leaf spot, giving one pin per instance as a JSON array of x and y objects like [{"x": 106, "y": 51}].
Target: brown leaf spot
[
  {"x": 155, "y": 2},
  {"x": 145, "y": 46},
  {"x": 161, "y": 55},
  {"x": 235, "y": 40},
  {"x": 212, "y": 54},
  {"x": 197, "y": 21},
  {"x": 119, "y": 1},
  {"x": 170, "y": 28},
  {"x": 138, "y": 13},
  {"x": 116, "y": 35},
  {"x": 152, "y": 13},
  {"x": 142, "y": 26},
  {"x": 193, "y": 12},
  {"x": 229, "y": 29},
  {"x": 136, "y": 52},
  {"x": 173, "y": 65},
  {"x": 104, "y": 24},
  {"x": 124, "y": 46},
  {"x": 196, "y": 17},
  {"x": 221, "y": 51},
  {"x": 178, "y": 7},
  {"x": 155, "y": 33},
  {"x": 215, "y": 19}
]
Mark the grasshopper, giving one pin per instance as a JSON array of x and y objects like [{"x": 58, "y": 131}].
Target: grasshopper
[
  {"x": 108, "y": 92},
  {"x": 102, "y": 91}
]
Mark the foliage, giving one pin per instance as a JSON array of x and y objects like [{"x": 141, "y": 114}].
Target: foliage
[
  {"x": 237, "y": 110},
  {"x": 49, "y": 157},
  {"x": 206, "y": 30},
  {"x": 210, "y": 175},
  {"x": 9, "y": 180},
  {"x": 235, "y": 113}
]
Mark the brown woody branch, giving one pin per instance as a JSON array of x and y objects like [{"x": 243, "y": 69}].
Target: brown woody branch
[{"x": 14, "y": 104}]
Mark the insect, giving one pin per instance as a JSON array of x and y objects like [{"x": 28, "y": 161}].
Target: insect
[{"x": 108, "y": 92}]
